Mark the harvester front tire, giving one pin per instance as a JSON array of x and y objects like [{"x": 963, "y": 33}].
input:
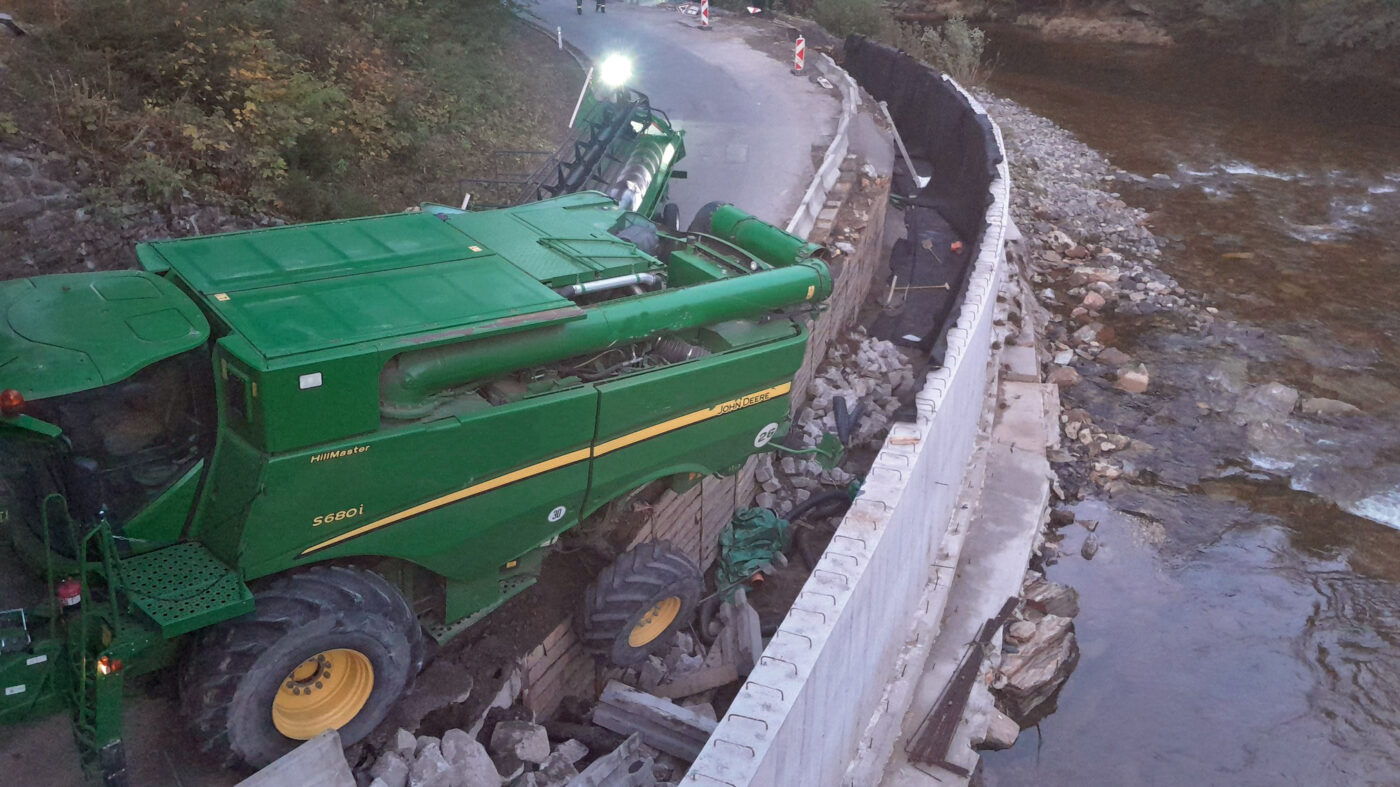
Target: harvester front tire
[
  {"x": 303, "y": 623},
  {"x": 637, "y": 604}
]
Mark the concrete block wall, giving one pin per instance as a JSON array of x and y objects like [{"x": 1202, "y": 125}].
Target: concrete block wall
[{"x": 800, "y": 716}]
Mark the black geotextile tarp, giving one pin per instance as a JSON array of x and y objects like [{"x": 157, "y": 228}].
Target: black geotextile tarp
[{"x": 939, "y": 126}]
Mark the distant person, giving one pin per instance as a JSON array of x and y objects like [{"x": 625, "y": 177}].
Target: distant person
[
  {"x": 580, "y": 7},
  {"x": 601, "y": 6}
]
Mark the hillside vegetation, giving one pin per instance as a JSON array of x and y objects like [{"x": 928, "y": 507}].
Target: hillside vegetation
[{"x": 306, "y": 108}]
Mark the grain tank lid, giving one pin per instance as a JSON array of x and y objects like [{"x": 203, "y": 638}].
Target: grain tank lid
[
  {"x": 383, "y": 309},
  {"x": 278, "y": 256},
  {"x": 559, "y": 241},
  {"x": 67, "y": 333}
]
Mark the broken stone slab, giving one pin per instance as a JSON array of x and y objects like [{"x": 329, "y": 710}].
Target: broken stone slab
[
  {"x": 572, "y": 750},
  {"x": 1032, "y": 675},
  {"x": 524, "y": 739},
  {"x": 693, "y": 683},
  {"x": 1002, "y": 732},
  {"x": 555, "y": 771},
  {"x": 1051, "y": 598},
  {"x": 392, "y": 768},
  {"x": 469, "y": 758},
  {"x": 626, "y": 766},
  {"x": 430, "y": 768},
  {"x": 661, "y": 722},
  {"x": 405, "y": 743},
  {"x": 320, "y": 762},
  {"x": 1020, "y": 632}
]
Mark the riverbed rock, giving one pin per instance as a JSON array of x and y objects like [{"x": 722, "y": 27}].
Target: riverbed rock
[
  {"x": 1112, "y": 356},
  {"x": 1133, "y": 381},
  {"x": 1063, "y": 376},
  {"x": 1317, "y": 405},
  {"x": 1265, "y": 403}
]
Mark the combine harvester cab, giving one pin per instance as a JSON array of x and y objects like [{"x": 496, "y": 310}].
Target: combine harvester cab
[{"x": 304, "y": 449}]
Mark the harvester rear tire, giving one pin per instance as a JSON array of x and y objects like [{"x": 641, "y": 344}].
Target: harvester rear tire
[
  {"x": 234, "y": 671},
  {"x": 636, "y": 605}
]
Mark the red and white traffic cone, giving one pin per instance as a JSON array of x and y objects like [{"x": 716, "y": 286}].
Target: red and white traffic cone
[
  {"x": 799, "y": 56},
  {"x": 704, "y": 14}
]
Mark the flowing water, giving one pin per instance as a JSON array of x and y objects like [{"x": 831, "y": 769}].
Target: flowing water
[{"x": 1236, "y": 629}]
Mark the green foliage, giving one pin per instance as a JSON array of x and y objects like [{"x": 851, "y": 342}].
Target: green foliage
[
  {"x": 314, "y": 109},
  {"x": 955, "y": 48},
  {"x": 8, "y": 126},
  {"x": 844, "y": 17}
]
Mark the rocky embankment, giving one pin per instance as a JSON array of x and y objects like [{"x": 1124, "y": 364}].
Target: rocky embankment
[
  {"x": 54, "y": 218},
  {"x": 1160, "y": 391}
]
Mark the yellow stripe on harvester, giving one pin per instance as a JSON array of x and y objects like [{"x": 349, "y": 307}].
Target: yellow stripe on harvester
[{"x": 631, "y": 438}]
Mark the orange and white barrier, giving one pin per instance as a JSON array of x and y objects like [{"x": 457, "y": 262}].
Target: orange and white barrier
[
  {"x": 704, "y": 14},
  {"x": 799, "y": 56}
]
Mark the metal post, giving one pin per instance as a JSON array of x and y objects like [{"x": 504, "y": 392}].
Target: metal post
[
  {"x": 919, "y": 180},
  {"x": 587, "y": 80}
]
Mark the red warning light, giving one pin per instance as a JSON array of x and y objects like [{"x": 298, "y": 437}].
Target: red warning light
[{"x": 11, "y": 402}]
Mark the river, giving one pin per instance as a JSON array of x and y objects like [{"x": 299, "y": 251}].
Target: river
[{"x": 1241, "y": 627}]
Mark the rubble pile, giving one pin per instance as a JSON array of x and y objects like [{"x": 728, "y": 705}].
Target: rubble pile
[{"x": 874, "y": 379}]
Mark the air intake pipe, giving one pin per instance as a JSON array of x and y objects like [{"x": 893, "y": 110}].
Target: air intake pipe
[
  {"x": 411, "y": 379},
  {"x": 759, "y": 238}
]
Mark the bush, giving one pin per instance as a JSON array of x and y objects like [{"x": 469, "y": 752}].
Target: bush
[
  {"x": 307, "y": 108},
  {"x": 955, "y": 48},
  {"x": 844, "y": 17}
]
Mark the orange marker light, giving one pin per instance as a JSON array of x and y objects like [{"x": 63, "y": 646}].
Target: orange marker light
[{"x": 11, "y": 402}]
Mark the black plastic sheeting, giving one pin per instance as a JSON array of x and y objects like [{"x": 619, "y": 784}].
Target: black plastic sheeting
[{"x": 938, "y": 126}]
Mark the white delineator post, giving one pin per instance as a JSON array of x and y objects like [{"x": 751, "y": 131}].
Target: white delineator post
[
  {"x": 704, "y": 14},
  {"x": 799, "y": 56}
]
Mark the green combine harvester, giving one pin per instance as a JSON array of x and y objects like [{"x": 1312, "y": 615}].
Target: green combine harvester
[{"x": 281, "y": 461}]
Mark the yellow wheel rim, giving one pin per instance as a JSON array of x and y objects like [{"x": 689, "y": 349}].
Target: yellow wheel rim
[
  {"x": 324, "y": 692},
  {"x": 654, "y": 622}
]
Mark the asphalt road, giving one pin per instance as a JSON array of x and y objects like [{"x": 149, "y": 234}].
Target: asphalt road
[
  {"x": 751, "y": 129},
  {"x": 750, "y": 125}
]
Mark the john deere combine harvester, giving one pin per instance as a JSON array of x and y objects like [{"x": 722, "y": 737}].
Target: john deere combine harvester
[{"x": 280, "y": 459}]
